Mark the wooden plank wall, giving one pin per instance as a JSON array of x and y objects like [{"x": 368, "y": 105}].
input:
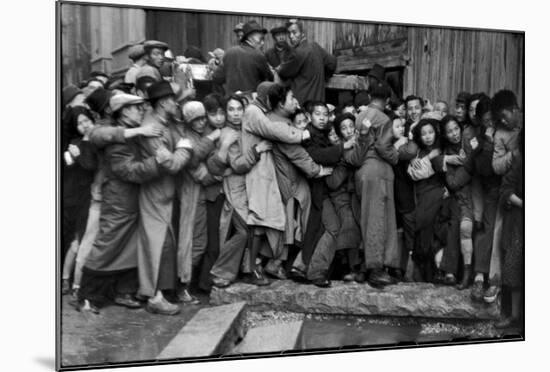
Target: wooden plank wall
[
  {"x": 76, "y": 46},
  {"x": 444, "y": 62}
]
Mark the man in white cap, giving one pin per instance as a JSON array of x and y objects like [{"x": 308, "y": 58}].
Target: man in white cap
[
  {"x": 137, "y": 55},
  {"x": 157, "y": 239},
  {"x": 111, "y": 264},
  {"x": 154, "y": 54}
]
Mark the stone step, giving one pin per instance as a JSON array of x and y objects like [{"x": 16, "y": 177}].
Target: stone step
[
  {"x": 271, "y": 338},
  {"x": 404, "y": 299},
  {"x": 212, "y": 331}
]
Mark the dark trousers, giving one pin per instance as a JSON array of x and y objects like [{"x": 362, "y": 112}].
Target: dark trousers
[
  {"x": 451, "y": 253},
  {"x": 168, "y": 276},
  {"x": 213, "y": 213},
  {"x": 100, "y": 287},
  {"x": 483, "y": 242}
]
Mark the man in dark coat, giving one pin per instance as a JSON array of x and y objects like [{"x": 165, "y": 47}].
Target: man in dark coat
[
  {"x": 276, "y": 55},
  {"x": 308, "y": 66},
  {"x": 110, "y": 267},
  {"x": 244, "y": 66}
]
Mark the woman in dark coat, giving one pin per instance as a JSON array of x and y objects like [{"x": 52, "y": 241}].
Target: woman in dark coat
[
  {"x": 429, "y": 196},
  {"x": 512, "y": 242},
  {"x": 78, "y": 175}
]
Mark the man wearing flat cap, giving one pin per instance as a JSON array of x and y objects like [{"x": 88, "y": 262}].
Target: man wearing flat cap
[
  {"x": 137, "y": 55},
  {"x": 280, "y": 50},
  {"x": 154, "y": 55},
  {"x": 110, "y": 267},
  {"x": 308, "y": 66},
  {"x": 157, "y": 239},
  {"x": 244, "y": 66}
]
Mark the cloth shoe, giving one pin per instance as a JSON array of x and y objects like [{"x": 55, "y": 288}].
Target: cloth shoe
[
  {"x": 186, "y": 297},
  {"x": 491, "y": 294},
  {"x": 220, "y": 282},
  {"x": 276, "y": 272}
]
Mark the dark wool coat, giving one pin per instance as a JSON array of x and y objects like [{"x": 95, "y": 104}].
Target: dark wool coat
[
  {"x": 276, "y": 57},
  {"x": 308, "y": 67},
  {"x": 243, "y": 68},
  {"x": 513, "y": 233},
  {"x": 115, "y": 245}
]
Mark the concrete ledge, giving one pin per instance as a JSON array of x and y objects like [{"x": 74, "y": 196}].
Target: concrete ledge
[
  {"x": 271, "y": 338},
  {"x": 405, "y": 299},
  {"x": 212, "y": 331}
]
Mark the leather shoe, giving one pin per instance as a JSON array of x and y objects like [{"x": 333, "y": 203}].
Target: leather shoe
[
  {"x": 449, "y": 279},
  {"x": 162, "y": 307},
  {"x": 86, "y": 306},
  {"x": 297, "y": 275},
  {"x": 127, "y": 300},
  {"x": 379, "y": 277},
  {"x": 321, "y": 282},
  {"x": 491, "y": 294},
  {"x": 258, "y": 278}
]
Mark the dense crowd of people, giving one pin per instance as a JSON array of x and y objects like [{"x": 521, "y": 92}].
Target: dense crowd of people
[{"x": 165, "y": 194}]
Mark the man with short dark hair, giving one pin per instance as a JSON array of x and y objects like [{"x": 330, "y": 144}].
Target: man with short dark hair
[
  {"x": 154, "y": 55},
  {"x": 276, "y": 55},
  {"x": 244, "y": 66},
  {"x": 307, "y": 67}
]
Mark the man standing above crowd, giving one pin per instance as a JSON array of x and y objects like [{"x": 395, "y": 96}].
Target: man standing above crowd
[
  {"x": 276, "y": 55},
  {"x": 137, "y": 55},
  {"x": 308, "y": 66},
  {"x": 154, "y": 54},
  {"x": 244, "y": 66}
]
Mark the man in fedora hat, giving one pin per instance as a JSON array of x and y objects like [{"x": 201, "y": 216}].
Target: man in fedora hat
[
  {"x": 154, "y": 54},
  {"x": 245, "y": 66},
  {"x": 280, "y": 50},
  {"x": 157, "y": 239},
  {"x": 137, "y": 54},
  {"x": 110, "y": 267},
  {"x": 308, "y": 66}
]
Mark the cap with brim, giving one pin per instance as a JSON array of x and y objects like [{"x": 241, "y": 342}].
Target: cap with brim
[
  {"x": 251, "y": 27},
  {"x": 150, "y": 44},
  {"x": 377, "y": 71},
  {"x": 121, "y": 100},
  {"x": 278, "y": 30},
  {"x": 68, "y": 94},
  {"x": 136, "y": 52}
]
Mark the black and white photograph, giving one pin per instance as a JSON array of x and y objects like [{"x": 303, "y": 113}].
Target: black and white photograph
[{"x": 236, "y": 185}]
